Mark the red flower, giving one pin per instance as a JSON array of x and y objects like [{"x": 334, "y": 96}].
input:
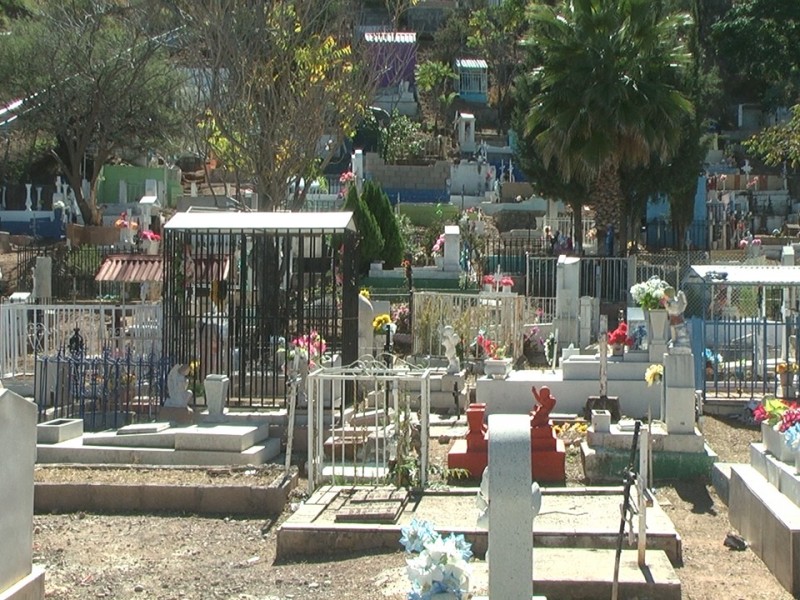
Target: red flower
[{"x": 620, "y": 335}]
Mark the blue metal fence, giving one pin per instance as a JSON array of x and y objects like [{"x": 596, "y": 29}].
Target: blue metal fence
[
  {"x": 106, "y": 391},
  {"x": 737, "y": 358}
]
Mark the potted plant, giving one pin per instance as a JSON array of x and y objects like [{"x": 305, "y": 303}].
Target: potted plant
[
  {"x": 618, "y": 339},
  {"x": 496, "y": 364},
  {"x": 488, "y": 283},
  {"x": 770, "y": 414}
]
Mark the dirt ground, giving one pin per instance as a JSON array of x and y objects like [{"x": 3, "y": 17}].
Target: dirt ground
[{"x": 186, "y": 556}]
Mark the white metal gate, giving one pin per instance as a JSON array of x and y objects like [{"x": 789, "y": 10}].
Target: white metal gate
[
  {"x": 349, "y": 445},
  {"x": 30, "y": 330}
]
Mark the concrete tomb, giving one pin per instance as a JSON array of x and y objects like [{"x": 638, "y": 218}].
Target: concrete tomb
[{"x": 18, "y": 578}]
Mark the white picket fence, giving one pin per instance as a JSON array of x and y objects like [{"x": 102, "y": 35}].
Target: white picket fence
[{"x": 30, "y": 330}]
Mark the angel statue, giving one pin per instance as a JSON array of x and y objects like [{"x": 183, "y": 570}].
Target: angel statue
[{"x": 675, "y": 303}]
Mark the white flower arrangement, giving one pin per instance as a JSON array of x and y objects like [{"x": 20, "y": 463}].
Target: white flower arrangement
[
  {"x": 649, "y": 294},
  {"x": 441, "y": 565}
]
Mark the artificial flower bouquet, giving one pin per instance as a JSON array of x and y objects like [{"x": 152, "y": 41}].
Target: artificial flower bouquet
[
  {"x": 620, "y": 336},
  {"x": 506, "y": 281},
  {"x": 488, "y": 280},
  {"x": 649, "y": 294},
  {"x": 438, "y": 565},
  {"x": 654, "y": 374},
  {"x": 380, "y": 322}
]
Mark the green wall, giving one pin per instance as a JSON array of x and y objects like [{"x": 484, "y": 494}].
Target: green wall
[{"x": 111, "y": 175}]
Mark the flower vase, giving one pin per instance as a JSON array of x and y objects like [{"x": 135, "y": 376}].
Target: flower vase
[
  {"x": 488, "y": 288},
  {"x": 497, "y": 368},
  {"x": 617, "y": 350},
  {"x": 506, "y": 289},
  {"x": 656, "y": 319},
  {"x": 776, "y": 444}
]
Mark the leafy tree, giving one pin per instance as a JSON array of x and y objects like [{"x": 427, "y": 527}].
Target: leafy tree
[
  {"x": 370, "y": 244},
  {"x": 284, "y": 84},
  {"x": 401, "y": 139},
  {"x": 606, "y": 75},
  {"x": 94, "y": 76},
  {"x": 756, "y": 45},
  {"x": 436, "y": 78},
  {"x": 377, "y": 202},
  {"x": 495, "y": 33},
  {"x": 779, "y": 143}
]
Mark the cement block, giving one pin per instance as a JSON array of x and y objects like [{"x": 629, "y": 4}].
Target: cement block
[
  {"x": 601, "y": 421},
  {"x": 58, "y": 430},
  {"x": 17, "y": 458},
  {"x": 219, "y": 438},
  {"x": 721, "y": 479},
  {"x": 142, "y": 428},
  {"x": 769, "y": 521}
]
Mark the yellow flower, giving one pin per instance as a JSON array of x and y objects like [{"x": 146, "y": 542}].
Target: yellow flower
[
  {"x": 654, "y": 374},
  {"x": 379, "y": 322},
  {"x": 364, "y": 292}
]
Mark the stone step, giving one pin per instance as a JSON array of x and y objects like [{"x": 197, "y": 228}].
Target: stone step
[{"x": 587, "y": 574}]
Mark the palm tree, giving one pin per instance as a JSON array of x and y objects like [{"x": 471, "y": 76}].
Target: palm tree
[{"x": 607, "y": 74}]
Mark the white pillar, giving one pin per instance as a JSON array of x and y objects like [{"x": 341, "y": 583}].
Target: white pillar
[
  {"x": 28, "y": 200},
  {"x": 452, "y": 247},
  {"x": 510, "y": 510}
]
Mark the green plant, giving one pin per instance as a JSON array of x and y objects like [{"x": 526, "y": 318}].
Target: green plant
[
  {"x": 370, "y": 238},
  {"x": 401, "y": 139},
  {"x": 435, "y": 78},
  {"x": 404, "y": 467},
  {"x": 378, "y": 204}
]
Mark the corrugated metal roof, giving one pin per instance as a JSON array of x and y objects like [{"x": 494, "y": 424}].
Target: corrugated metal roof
[
  {"x": 749, "y": 274},
  {"x": 131, "y": 268},
  {"x": 390, "y": 37},
  {"x": 471, "y": 63},
  {"x": 270, "y": 222}
]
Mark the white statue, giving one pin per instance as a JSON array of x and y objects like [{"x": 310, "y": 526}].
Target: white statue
[
  {"x": 675, "y": 303},
  {"x": 450, "y": 341},
  {"x": 177, "y": 387}
]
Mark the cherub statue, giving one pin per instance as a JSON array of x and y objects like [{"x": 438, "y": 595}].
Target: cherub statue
[
  {"x": 177, "y": 384},
  {"x": 450, "y": 341},
  {"x": 675, "y": 304},
  {"x": 544, "y": 405}
]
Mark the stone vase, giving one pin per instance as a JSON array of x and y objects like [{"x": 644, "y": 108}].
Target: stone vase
[
  {"x": 657, "y": 319},
  {"x": 506, "y": 289},
  {"x": 497, "y": 368},
  {"x": 776, "y": 443},
  {"x": 617, "y": 350}
]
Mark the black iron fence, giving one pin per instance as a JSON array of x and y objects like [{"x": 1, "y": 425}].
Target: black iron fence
[
  {"x": 73, "y": 270},
  {"x": 106, "y": 391}
]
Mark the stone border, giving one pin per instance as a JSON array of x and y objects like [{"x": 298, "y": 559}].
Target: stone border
[{"x": 155, "y": 498}]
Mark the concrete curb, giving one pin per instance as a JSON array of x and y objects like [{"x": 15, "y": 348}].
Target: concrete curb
[{"x": 155, "y": 498}]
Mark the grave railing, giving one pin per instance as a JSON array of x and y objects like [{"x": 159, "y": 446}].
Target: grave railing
[{"x": 108, "y": 390}]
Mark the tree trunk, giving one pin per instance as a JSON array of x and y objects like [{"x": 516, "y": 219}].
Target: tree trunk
[{"x": 605, "y": 196}]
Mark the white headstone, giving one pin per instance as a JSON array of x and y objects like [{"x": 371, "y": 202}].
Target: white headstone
[
  {"x": 510, "y": 510},
  {"x": 678, "y": 400},
  {"x": 150, "y": 187},
  {"x": 466, "y": 132},
  {"x": 17, "y": 458},
  {"x": 568, "y": 303},
  {"x": 366, "y": 335},
  {"x": 452, "y": 247},
  {"x": 43, "y": 276}
]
